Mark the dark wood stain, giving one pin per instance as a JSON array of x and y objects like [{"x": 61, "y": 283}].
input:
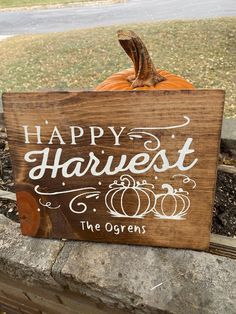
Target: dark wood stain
[{"x": 118, "y": 109}]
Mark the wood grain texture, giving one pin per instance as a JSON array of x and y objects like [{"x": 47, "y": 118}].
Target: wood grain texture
[
  {"x": 222, "y": 245},
  {"x": 174, "y": 118}
]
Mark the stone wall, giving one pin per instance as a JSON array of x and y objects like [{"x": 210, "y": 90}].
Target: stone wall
[
  {"x": 16, "y": 298},
  {"x": 55, "y": 276}
]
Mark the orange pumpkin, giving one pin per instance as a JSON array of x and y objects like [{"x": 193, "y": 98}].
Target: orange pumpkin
[{"x": 144, "y": 75}]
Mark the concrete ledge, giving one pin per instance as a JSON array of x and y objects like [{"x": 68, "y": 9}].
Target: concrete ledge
[
  {"x": 133, "y": 279},
  {"x": 125, "y": 277},
  {"x": 228, "y": 136},
  {"x": 25, "y": 258}
]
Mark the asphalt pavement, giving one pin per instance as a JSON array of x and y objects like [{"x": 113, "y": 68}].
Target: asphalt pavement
[{"x": 132, "y": 11}]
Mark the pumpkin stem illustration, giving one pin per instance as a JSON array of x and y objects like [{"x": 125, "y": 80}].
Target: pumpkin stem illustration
[{"x": 145, "y": 71}]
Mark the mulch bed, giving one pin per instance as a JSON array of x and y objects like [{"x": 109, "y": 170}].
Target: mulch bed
[{"x": 224, "y": 214}]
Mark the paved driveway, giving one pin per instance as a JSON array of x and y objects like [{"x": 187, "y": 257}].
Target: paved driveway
[{"x": 63, "y": 19}]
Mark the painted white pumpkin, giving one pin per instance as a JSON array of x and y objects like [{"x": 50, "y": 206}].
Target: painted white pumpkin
[
  {"x": 130, "y": 199},
  {"x": 173, "y": 204}
]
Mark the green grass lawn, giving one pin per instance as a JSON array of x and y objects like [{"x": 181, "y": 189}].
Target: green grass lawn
[
  {"x": 29, "y": 3},
  {"x": 204, "y": 52}
]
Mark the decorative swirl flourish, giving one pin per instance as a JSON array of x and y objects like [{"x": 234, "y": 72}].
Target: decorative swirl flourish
[
  {"x": 147, "y": 144},
  {"x": 48, "y": 205},
  {"x": 78, "y": 208},
  {"x": 186, "y": 179},
  {"x": 62, "y": 192},
  {"x": 154, "y": 142},
  {"x": 128, "y": 181},
  {"x": 186, "y": 118},
  {"x": 81, "y": 206}
]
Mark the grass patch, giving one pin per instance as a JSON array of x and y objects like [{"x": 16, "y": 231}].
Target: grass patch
[
  {"x": 204, "y": 52},
  {"x": 29, "y": 3}
]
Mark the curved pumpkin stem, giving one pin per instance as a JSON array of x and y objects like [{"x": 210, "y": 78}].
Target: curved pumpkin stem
[{"x": 145, "y": 71}]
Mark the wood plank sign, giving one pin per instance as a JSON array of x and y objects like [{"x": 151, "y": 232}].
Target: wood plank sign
[{"x": 122, "y": 167}]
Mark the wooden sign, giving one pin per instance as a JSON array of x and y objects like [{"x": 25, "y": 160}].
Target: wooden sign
[{"x": 122, "y": 167}]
